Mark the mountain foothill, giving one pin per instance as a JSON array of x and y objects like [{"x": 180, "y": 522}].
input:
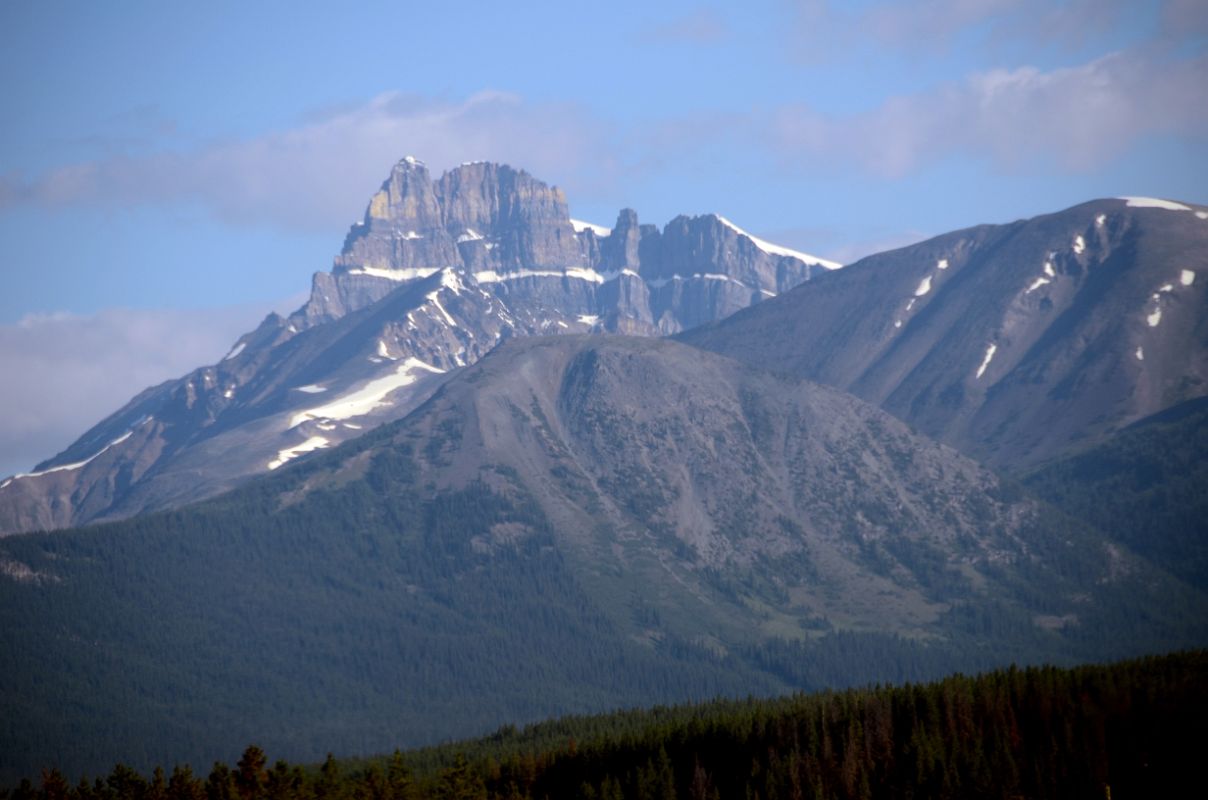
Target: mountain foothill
[{"x": 504, "y": 465}]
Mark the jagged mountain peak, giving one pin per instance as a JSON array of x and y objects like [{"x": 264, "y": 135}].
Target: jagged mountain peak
[{"x": 434, "y": 275}]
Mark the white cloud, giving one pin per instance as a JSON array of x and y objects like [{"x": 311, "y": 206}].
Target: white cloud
[
  {"x": 63, "y": 372},
  {"x": 1034, "y": 22},
  {"x": 1077, "y": 118},
  {"x": 274, "y": 178},
  {"x": 702, "y": 26},
  {"x": 932, "y": 20}
]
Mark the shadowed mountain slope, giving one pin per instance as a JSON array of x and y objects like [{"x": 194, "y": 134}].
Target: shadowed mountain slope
[
  {"x": 570, "y": 524},
  {"x": 1146, "y": 486},
  {"x": 1013, "y": 343}
]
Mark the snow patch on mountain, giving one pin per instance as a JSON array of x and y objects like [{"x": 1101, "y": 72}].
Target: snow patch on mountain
[
  {"x": 449, "y": 280},
  {"x": 599, "y": 230},
  {"x": 777, "y": 250},
  {"x": 72, "y": 466},
  {"x": 986, "y": 361},
  {"x": 1153, "y": 202},
  {"x": 370, "y": 396},
  {"x": 579, "y": 273},
  {"x": 433, "y": 297},
  {"x": 409, "y": 274},
  {"x": 313, "y": 443}
]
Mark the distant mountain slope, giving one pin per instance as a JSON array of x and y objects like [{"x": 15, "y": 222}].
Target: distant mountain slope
[
  {"x": 569, "y": 524},
  {"x": 1147, "y": 487},
  {"x": 1013, "y": 343},
  {"x": 434, "y": 276}
]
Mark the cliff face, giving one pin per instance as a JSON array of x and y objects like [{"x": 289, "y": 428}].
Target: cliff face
[
  {"x": 513, "y": 235},
  {"x": 434, "y": 276}
]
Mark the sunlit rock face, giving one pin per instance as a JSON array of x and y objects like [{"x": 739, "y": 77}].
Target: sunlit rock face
[{"x": 432, "y": 277}]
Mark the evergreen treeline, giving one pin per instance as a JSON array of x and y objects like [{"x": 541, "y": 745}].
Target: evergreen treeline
[
  {"x": 1134, "y": 729},
  {"x": 376, "y": 611},
  {"x": 348, "y": 620}
]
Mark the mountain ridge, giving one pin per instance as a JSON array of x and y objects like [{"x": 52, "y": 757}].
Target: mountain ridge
[
  {"x": 549, "y": 533},
  {"x": 434, "y": 275},
  {"x": 1013, "y": 342}
]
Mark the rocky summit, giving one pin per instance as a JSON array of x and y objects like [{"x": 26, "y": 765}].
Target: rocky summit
[
  {"x": 512, "y": 235},
  {"x": 433, "y": 277},
  {"x": 1014, "y": 343}
]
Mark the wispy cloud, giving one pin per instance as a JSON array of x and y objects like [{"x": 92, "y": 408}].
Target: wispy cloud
[
  {"x": 1076, "y": 118},
  {"x": 1185, "y": 19},
  {"x": 318, "y": 174},
  {"x": 273, "y": 178},
  {"x": 821, "y": 29},
  {"x": 1039, "y": 21},
  {"x": 65, "y": 372},
  {"x": 703, "y": 26}
]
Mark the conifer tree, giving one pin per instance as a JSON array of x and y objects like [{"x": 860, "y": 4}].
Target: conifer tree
[
  {"x": 400, "y": 785},
  {"x": 54, "y": 785},
  {"x": 459, "y": 782},
  {"x": 218, "y": 784},
  {"x": 183, "y": 785},
  {"x": 330, "y": 785}
]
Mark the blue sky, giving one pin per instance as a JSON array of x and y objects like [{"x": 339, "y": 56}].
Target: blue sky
[{"x": 171, "y": 171}]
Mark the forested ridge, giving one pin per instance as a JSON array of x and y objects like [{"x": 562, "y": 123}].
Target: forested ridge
[
  {"x": 1131, "y": 729},
  {"x": 1146, "y": 487},
  {"x": 361, "y": 610},
  {"x": 335, "y": 623}
]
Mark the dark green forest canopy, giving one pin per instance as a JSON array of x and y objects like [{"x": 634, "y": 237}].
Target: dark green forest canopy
[
  {"x": 1132, "y": 729},
  {"x": 366, "y": 614}
]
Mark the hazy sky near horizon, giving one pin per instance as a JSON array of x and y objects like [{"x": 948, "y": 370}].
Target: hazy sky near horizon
[{"x": 169, "y": 171}]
